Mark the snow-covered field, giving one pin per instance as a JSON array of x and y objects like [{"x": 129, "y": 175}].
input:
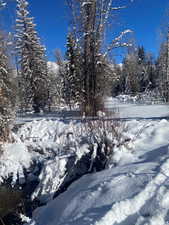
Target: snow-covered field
[
  {"x": 133, "y": 190},
  {"x": 132, "y": 110},
  {"x": 118, "y": 108}
]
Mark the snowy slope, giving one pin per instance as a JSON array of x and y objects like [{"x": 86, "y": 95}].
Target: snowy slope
[{"x": 135, "y": 192}]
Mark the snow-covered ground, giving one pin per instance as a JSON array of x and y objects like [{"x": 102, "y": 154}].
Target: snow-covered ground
[
  {"x": 121, "y": 107},
  {"x": 133, "y": 190},
  {"x": 136, "y": 191},
  {"x": 132, "y": 110}
]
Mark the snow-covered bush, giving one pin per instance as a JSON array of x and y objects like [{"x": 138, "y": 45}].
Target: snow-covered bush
[
  {"x": 66, "y": 151},
  {"x": 55, "y": 138},
  {"x": 105, "y": 135}
]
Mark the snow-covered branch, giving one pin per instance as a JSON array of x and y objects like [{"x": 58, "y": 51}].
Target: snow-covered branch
[
  {"x": 2, "y": 4},
  {"x": 117, "y": 41},
  {"x": 118, "y": 8}
]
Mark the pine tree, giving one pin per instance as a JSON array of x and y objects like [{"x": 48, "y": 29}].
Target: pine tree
[
  {"x": 152, "y": 74},
  {"x": 142, "y": 68},
  {"x": 139, "y": 71},
  {"x": 131, "y": 73},
  {"x": 7, "y": 92},
  {"x": 161, "y": 68},
  {"x": 72, "y": 79},
  {"x": 141, "y": 55},
  {"x": 31, "y": 60},
  {"x": 118, "y": 84}
]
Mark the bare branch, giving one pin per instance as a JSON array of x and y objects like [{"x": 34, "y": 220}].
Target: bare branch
[
  {"x": 119, "y": 45},
  {"x": 118, "y": 8},
  {"x": 107, "y": 12},
  {"x": 121, "y": 35}
]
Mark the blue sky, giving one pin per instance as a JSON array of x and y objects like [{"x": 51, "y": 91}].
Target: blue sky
[{"x": 144, "y": 17}]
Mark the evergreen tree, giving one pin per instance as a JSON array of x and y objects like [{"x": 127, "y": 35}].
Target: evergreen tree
[
  {"x": 118, "y": 84},
  {"x": 72, "y": 79},
  {"x": 152, "y": 75},
  {"x": 142, "y": 68},
  {"x": 162, "y": 68},
  {"x": 141, "y": 55},
  {"x": 55, "y": 85},
  {"x": 131, "y": 73},
  {"x": 31, "y": 59},
  {"x": 139, "y": 71},
  {"x": 7, "y": 92},
  {"x": 147, "y": 73}
]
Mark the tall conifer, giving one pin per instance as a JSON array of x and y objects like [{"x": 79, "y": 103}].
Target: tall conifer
[{"x": 31, "y": 60}]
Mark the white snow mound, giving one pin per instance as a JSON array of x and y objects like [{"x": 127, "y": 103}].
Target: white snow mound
[
  {"x": 134, "y": 192},
  {"x": 13, "y": 160}
]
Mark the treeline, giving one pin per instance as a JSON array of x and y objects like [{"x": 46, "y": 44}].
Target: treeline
[
  {"x": 140, "y": 72},
  {"x": 137, "y": 73},
  {"x": 85, "y": 74},
  {"x": 85, "y": 70}
]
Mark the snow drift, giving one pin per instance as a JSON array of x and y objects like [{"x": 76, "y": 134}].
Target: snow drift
[{"x": 133, "y": 192}]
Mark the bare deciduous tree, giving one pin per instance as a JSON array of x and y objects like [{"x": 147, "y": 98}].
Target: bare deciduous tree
[{"x": 90, "y": 20}]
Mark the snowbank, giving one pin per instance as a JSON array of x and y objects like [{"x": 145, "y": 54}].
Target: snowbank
[
  {"x": 134, "y": 192},
  {"x": 13, "y": 161}
]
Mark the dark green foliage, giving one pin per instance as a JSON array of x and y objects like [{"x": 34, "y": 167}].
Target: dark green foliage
[
  {"x": 7, "y": 92},
  {"x": 141, "y": 55},
  {"x": 31, "y": 59},
  {"x": 72, "y": 81},
  {"x": 138, "y": 73}
]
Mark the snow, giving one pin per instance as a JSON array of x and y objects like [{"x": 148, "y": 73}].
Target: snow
[
  {"x": 14, "y": 159},
  {"x": 46, "y": 137},
  {"x": 134, "y": 189},
  {"x": 51, "y": 176},
  {"x": 53, "y": 67},
  {"x": 2, "y": 4},
  {"x": 128, "y": 108},
  {"x": 86, "y": 3},
  {"x": 89, "y": 200},
  {"x": 123, "y": 209}
]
